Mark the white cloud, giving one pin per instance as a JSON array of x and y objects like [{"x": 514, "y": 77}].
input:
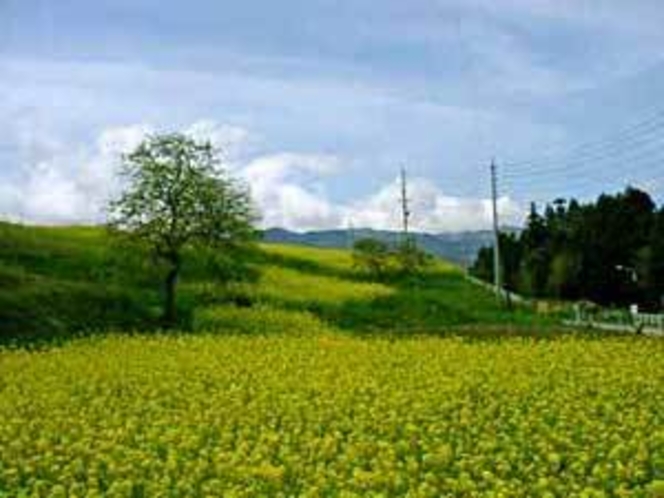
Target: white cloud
[
  {"x": 230, "y": 140},
  {"x": 282, "y": 187},
  {"x": 52, "y": 194},
  {"x": 288, "y": 188},
  {"x": 121, "y": 139},
  {"x": 10, "y": 199},
  {"x": 97, "y": 177},
  {"x": 432, "y": 210},
  {"x": 288, "y": 166},
  {"x": 68, "y": 185}
]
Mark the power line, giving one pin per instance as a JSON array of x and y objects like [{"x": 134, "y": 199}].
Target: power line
[
  {"x": 647, "y": 144},
  {"x": 645, "y": 135},
  {"x": 652, "y": 123},
  {"x": 634, "y": 165},
  {"x": 573, "y": 183},
  {"x": 585, "y": 172},
  {"x": 582, "y": 183}
]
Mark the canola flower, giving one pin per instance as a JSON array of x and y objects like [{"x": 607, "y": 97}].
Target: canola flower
[{"x": 180, "y": 416}]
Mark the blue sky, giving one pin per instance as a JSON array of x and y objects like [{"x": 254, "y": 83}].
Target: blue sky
[{"x": 318, "y": 103}]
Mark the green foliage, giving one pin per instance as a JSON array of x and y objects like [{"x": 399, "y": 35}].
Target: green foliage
[
  {"x": 655, "y": 261},
  {"x": 592, "y": 251},
  {"x": 564, "y": 271},
  {"x": 176, "y": 197},
  {"x": 62, "y": 281},
  {"x": 377, "y": 259},
  {"x": 435, "y": 303},
  {"x": 482, "y": 268},
  {"x": 371, "y": 256},
  {"x": 411, "y": 260},
  {"x": 511, "y": 253},
  {"x": 57, "y": 282}
]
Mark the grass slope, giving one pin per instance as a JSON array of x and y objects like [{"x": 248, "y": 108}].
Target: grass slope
[{"x": 55, "y": 281}]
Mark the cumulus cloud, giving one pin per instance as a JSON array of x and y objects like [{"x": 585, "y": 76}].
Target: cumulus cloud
[
  {"x": 69, "y": 185},
  {"x": 74, "y": 185},
  {"x": 10, "y": 200},
  {"x": 230, "y": 140},
  {"x": 283, "y": 188},
  {"x": 432, "y": 210},
  {"x": 289, "y": 191}
]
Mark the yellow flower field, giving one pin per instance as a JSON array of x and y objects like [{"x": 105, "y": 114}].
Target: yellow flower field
[{"x": 333, "y": 416}]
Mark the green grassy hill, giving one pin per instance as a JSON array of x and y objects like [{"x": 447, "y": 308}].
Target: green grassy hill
[{"x": 58, "y": 281}]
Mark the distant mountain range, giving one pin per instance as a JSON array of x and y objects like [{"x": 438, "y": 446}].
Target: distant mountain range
[{"x": 459, "y": 247}]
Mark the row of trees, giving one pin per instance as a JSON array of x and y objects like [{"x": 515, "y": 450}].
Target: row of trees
[{"x": 610, "y": 251}]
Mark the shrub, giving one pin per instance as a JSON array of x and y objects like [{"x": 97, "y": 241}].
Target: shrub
[{"x": 371, "y": 256}]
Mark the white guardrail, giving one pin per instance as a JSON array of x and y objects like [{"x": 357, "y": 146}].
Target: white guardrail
[
  {"x": 621, "y": 320},
  {"x": 616, "y": 320}
]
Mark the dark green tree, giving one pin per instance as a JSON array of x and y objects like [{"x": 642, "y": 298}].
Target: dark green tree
[
  {"x": 655, "y": 262},
  {"x": 176, "y": 196},
  {"x": 482, "y": 267},
  {"x": 536, "y": 258},
  {"x": 511, "y": 256},
  {"x": 563, "y": 275},
  {"x": 511, "y": 262},
  {"x": 616, "y": 229}
]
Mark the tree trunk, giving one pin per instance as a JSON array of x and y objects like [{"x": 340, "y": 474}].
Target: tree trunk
[{"x": 170, "y": 307}]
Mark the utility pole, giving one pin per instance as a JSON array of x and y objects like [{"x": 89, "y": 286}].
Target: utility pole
[
  {"x": 497, "y": 277},
  {"x": 404, "y": 204}
]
